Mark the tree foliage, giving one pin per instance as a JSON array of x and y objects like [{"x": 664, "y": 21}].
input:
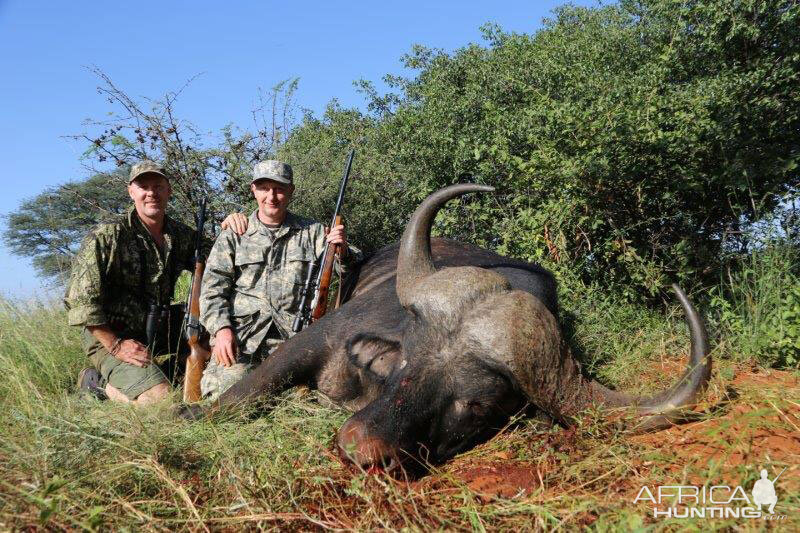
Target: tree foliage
[
  {"x": 379, "y": 198},
  {"x": 630, "y": 144},
  {"x": 218, "y": 167},
  {"x": 50, "y": 226}
]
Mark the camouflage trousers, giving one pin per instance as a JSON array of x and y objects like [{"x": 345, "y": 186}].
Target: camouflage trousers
[{"x": 218, "y": 378}]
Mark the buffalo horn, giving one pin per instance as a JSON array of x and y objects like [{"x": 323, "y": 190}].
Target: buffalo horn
[
  {"x": 414, "y": 261},
  {"x": 669, "y": 407}
]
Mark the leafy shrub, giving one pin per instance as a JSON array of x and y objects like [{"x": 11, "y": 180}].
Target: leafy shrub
[
  {"x": 757, "y": 307},
  {"x": 630, "y": 143}
]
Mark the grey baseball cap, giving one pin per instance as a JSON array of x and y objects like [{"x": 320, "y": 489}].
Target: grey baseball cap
[
  {"x": 145, "y": 166},
  {"x": 274, "y": 170}
]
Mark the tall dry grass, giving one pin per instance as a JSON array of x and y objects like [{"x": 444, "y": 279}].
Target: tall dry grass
[{"x": 68, "y": 462}]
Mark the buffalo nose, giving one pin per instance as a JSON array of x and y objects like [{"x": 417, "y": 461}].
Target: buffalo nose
[{"x": 362, "y": 449}]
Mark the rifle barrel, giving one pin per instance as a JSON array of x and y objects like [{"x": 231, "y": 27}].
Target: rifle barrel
[
  {"x": 311, "y": 288},
  {"x": 343, "y": 186},
  {"x": 201, "y": 221},
  {"x": 339, "y": 201}
]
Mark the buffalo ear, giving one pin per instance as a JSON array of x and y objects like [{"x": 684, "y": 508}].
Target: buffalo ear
[{"x": 377, "y": 355}]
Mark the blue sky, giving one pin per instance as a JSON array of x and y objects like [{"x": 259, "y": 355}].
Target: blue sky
[{"x": 149, "y": 48}]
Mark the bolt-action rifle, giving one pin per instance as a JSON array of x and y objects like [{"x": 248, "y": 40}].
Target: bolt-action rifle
[
  {"x": 198, "y": 354},
  {"x": 315, "y": 289}
]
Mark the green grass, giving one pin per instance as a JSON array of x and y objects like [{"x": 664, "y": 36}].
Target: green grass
[
  {"x": 757, "y": 307},
  {"x": 68, "y": 462}
]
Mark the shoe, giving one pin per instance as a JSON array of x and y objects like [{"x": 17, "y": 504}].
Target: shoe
[{"x": 89, "y": 381}]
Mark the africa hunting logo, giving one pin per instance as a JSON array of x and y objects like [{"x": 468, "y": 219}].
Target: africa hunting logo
[{"x": 717, "y": 501}]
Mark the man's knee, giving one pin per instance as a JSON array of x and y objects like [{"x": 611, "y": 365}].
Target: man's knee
[
  {"x": 154, "y": 394},
  {"x": 133, "y": 381},
  {"x": 115, "y": 395},
  {"x": 151, "y": 395},
  {"x": 217, "y": 378}
]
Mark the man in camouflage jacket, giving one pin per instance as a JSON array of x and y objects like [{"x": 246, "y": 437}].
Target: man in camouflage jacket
[
  {"x": 252, "y": 283},
  {"x": 125, "y": 269}
]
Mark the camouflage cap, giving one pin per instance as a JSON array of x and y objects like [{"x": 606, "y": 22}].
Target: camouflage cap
[
  {"x": 145, "y": 166},
  {"x": 274, "y": 170}
]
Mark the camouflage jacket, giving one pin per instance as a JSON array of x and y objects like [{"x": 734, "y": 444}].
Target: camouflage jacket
[
  {"x": 119, "y": 271},
  {"x": 255, "y": 280}
]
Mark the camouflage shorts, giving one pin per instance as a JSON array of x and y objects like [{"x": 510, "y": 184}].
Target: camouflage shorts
[
  {"x": 129, "y": 379},
  {"x": 217, "y": 378}
]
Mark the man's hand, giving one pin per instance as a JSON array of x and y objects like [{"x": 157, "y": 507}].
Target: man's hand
[
  {"x": 126, "y": 350},
  {"x": 225, "y": 347},
  {"x": 237, "y": 222},
  {"x": 337, "y": 236},
  {"x": 132, "y": 352}
]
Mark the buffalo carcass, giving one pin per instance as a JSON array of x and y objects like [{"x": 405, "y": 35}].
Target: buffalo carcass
[{"x": 440, "y": 343}]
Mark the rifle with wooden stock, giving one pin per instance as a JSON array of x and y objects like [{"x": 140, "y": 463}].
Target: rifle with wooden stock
[
  {"x": 198, "y": 354},
  {"x": 316, "y": 290}
]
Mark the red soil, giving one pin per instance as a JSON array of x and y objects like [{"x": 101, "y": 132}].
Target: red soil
[
  {"x": 504, "y": 480},
  {"x": 752, "y": 425},
  {"x": 760, "y": 428}
]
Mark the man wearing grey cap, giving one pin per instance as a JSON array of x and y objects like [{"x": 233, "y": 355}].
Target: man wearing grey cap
[
  {"x": 254, "y": 275},
  {"x": 125, "y": 270}
]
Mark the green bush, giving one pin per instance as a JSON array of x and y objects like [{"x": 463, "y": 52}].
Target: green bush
[
  {"x": 757, "y": 307},
  {"x": 631, "y": 144}
]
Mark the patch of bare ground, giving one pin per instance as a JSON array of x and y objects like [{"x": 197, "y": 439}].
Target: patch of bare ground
[
  {"x": 496, "y": 476},
  {"x": 754, "y": 421},
  {"x": 501, "y": 480},
  {"x": 588, "y": 475},
  {"x": 751, "y": 422}
]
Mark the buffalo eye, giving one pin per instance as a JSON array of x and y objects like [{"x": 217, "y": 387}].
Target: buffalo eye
[
  {"x": 471, "y": 407},
  {"x": 477, "y": 408}
]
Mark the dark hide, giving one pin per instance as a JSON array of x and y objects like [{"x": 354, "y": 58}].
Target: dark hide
[
  {"x": 346, "y": 354},
  {"x": 351, "y": 354},
  {"x": 435, "y": 359}
]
